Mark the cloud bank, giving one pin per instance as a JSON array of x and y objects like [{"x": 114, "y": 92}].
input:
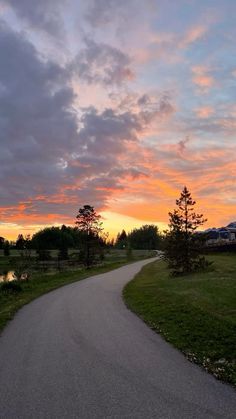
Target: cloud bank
[{"x": 133, "y": 102}]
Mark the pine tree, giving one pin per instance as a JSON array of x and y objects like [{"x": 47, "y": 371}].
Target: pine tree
[
  {"x": 183, "y": 243},
  {"x": 89, "y": 223},
  {"x": 121, "y": 240}
]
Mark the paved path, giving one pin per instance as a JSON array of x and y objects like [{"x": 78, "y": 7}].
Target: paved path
[{"x": 78, "y": 352}]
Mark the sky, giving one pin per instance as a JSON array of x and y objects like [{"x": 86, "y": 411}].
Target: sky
[{"x": 117, "y": 104}]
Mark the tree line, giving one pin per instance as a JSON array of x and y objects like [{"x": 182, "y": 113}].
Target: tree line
[
  {"x": 87, "y": 238},
  {"x": 146, "y": 237},
  {"x": 181, "y": 242}
]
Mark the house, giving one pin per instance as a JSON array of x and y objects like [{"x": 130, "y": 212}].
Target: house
[
  {"x": 221, "y": 235},
  {"x": 232, "y": 230}
]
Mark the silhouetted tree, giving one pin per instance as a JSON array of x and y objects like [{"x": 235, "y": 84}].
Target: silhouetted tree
[
  {"x": 63, "y": 253},
  {"x": 110, "y": 243},
  {"x": 20, "y": 242},
  {"x": 23, "y": 244},
  {"x": 146, "y": 237},
  {"x": 2, "y": 240},
  {"x": 121, "y": 240},
  {"x": 54, "y": 238},
  {"x": 183, "y": 244},
  {"x": 44, "y": 254},
  {"x": 6, "y": 248},
  {"x": 129, "y": 252},
  {"x": 89, "y": 223}
]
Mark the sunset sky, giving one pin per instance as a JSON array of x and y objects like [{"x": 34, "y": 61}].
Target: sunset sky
[{"x": 117, "y": 104}]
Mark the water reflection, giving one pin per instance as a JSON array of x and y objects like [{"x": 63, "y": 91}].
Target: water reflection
[
  {"x": 7, "y": 276},
  {"x": 10, "y": 276}
]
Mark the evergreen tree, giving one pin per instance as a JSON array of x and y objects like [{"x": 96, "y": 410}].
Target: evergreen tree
[
  {"x": 20, "y": 242},
  {"x": 146, "y": 237},
  {"x": 121, "y": 240},
  {"x": 2, "y": 240},
  {"x": 183, "y": 244},
  {"x": 89, "y": 223}
]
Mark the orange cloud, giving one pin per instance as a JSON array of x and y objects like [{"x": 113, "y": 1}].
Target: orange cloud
[
  {"x": 204, "y": 111},
  {"x": 209, "y": 174},
  {"x": 193, "y": 34},
  {"x": 166, "y": 45},
  {"x": 202, "y": 78}
]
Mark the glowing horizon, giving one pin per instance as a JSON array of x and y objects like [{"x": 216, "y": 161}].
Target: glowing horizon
[{"x": 118, "y": 105}]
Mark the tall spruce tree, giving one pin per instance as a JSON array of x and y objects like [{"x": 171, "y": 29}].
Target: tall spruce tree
[
  {"x": 183, "y": 243},
  {"x": 121, "y": 240},
  {"x": 89, "y": 223}
]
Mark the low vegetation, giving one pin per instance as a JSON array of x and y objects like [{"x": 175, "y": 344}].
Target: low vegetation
[{"x": 196, "y": 312}]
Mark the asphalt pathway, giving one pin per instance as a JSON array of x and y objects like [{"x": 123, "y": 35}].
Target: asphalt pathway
[{"x": 78, "y": 352}]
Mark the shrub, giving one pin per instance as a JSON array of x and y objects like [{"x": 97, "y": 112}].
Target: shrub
[
  {"x": 44, "y": 254},
  {"x": 10, "y": 287}
]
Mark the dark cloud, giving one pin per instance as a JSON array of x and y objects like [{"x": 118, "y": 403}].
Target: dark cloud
[
  {"x": 101, "y": 12},
  {"x": 103, "y": 140},
  {"x": 102, "y": 63},
  {"x": 154, "y": 104},
  {"x": 132, "y": 172},
  {"x": 217, "y": 123},
  {"x": 144, "y": 100},
  {"x": 37, "y": 125},
  {"x": 182, "y": 145},
  {"x": 104, "y": 183},
  {"x": 165, "y": 107},
  {"x": 107, "y": 131},
  {"x": 42, "y": 14},
  {"x": 51, "y": 160},
  {"x": 104, "y": 12}
]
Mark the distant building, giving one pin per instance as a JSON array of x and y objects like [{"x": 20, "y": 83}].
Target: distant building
[
  {"x": 232, "y": 230},
  {"x": 221, "y": 235}
]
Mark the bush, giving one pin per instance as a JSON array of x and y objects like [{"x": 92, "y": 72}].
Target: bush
[
  {"x": 63, "y": 254},
  {"x": 129, "y": 253},
  {"x": 11, "y": 287},
  {"x": 44, "y": 254},
  {"x": 6, "y": 249},
  {"x": 202, "y": 264}
]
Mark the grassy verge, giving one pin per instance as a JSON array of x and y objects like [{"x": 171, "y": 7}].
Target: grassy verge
[
  {"x": 195, "y": 313},
  {"x": 4, "y": 264},
  {"x": 43, "y": 283}
]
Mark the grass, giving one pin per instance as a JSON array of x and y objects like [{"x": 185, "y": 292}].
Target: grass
[
  {"x": 41, "y": 283},
  {"x": 5, "y": 264},
  {"x": 195, "y": 313},
  {"x": 114, "y": 255}
]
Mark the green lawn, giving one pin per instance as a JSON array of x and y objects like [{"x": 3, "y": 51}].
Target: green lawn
[
  {"x": 4, "y": 264},
  {"x": 195, "y": 313}
]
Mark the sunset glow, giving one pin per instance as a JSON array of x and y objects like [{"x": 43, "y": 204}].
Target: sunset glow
[{"x": 116, "y": 104}]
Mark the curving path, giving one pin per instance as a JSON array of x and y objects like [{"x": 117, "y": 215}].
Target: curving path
[{"x": 78, "y": 352}]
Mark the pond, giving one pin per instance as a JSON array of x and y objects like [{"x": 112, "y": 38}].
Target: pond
[{"x": 7, "y": 276}]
